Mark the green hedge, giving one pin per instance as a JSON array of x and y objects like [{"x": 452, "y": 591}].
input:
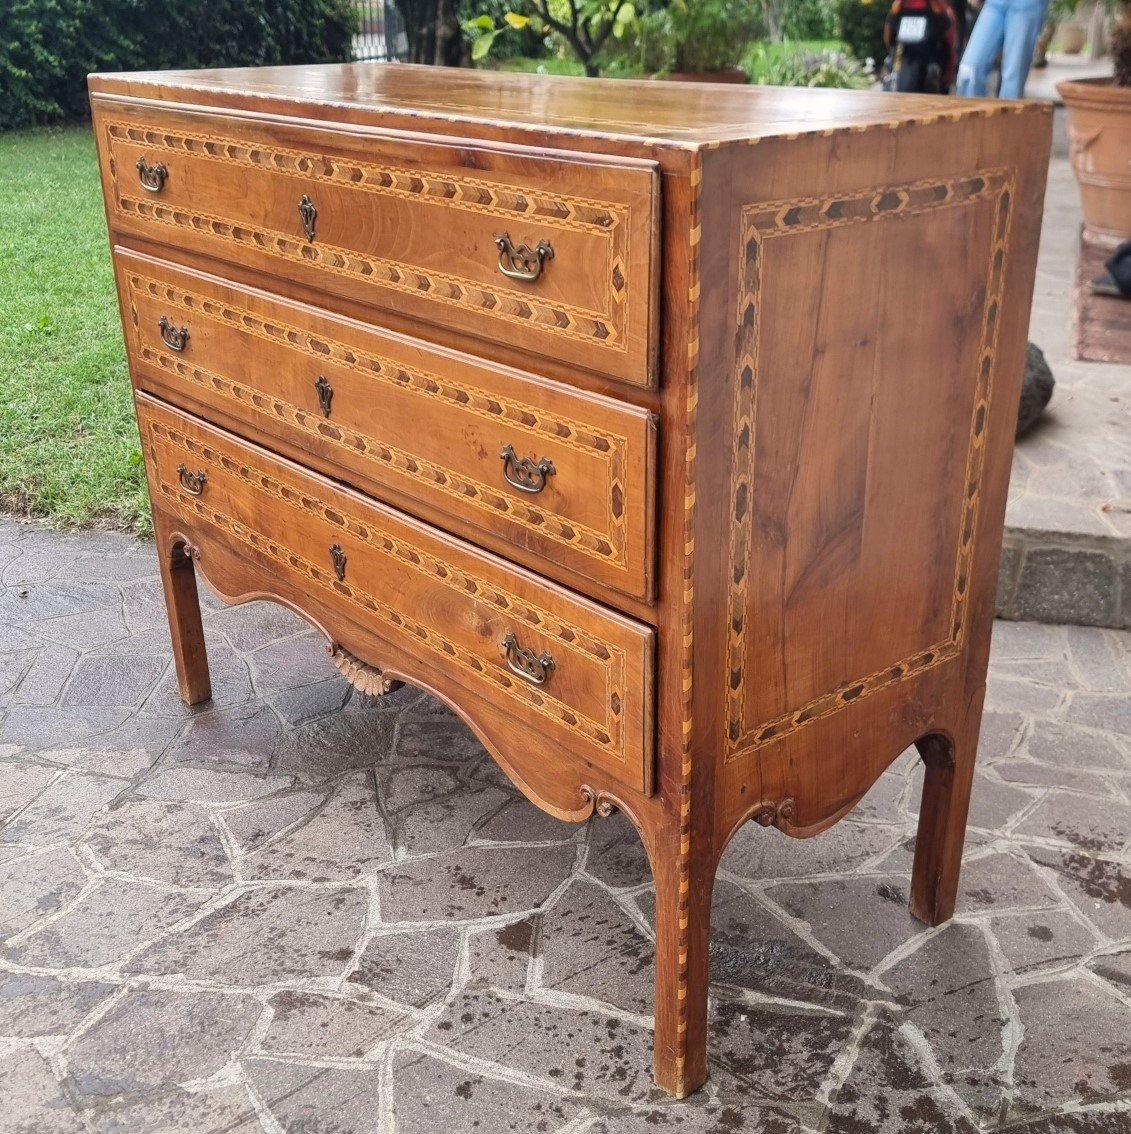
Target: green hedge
[
  {"x": 860, "y": 23},
  {"x": 47, "y": 47}
]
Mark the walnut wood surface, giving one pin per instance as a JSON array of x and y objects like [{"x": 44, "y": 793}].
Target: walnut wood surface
[{"x": 843, "y": 288}]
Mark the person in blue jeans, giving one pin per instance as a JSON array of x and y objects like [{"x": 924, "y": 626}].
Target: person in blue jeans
[{"x": 1008, "y": 27}]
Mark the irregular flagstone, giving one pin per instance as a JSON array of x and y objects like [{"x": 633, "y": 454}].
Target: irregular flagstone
[
  {"x": 430, "y": 1095},
  {"x": 750, "y": 948},
  {"x": 591, "y": 948},
  {"x": 1079, "y": 1122},
  {"x": 776, "y": 1052},
  {"x": 42, "y": 601},
  {"x": 588, "y": 1051},
  {"x": 729, "y": 1116},
  {"x": 428, "y": 735},
  {"x": 61, "y": 811},
  {"x": 86, "y": 631},
  {"x": 113, "y": 679},
  {"x": 32, "y": 1100},
  {"x": 295, "y": 661},
  {"x": 1096, "y": 656},
  {"x": 993, "y": 805},
  {"x": 474, "y": 882},
  {"x": 166, "y": 841},
  {"x": 143, "y": 603},
  {"x": 339, "y": 743},
  {"x": 35, "y": 886},
  {"x": 415, "y": 968},
  {"x": 231, "y": 683},
  {"x": 244, "y": 736},
  {"x": 137, "y": 561},
  {"x": 112, "y": 921},
  {"x": 254, "y": 624},
  {"x": 999, "y": 734},
  {"x": 1076, "y": 1044},
  {"x": 226, "y": 1110},
  {"x": 153, "y": 1038},
  {"x": 318, "y": 1100},
  {"x": 309, "y": 702},
  {"x": 41, "y": 1006},
  {"x": 22, "y": 782},
  {"x": 327, "y": 1027},
  {"x": 886, "y": 1092},
  {"x": 758, "y": 852},
  {"x": 500, "y": 957},
  {"x": 205, "y": 785},
  {"x": 342, "y": 841},
  {"x": 255, "y": 823},
  {"x": 999, "y": 881},
  {"x": 1098, "y": 887},
  {"x": 267, "y": 935},
  {"x": 860, "y": 920},
  {"x": 948, "y": 989},
  {"x": 1115, "y": 968},
  {"x": 1035, "y": 941},
  {"x": 447, "y": 822},
  {"x": 1108, "y": 712},
  {"x": 122, "y": 751},
  {"x": 616, "y": 854},
  {"x": 521, "y": 822},
  {"x": 1066, "y": 745},
  {"x": 13, "y": 667},
  {"x": 37, "y": 728},
  {"x": 1095, "y": 825}
]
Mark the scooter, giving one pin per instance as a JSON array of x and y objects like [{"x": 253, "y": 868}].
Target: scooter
[{"x": 921, "y": 38}]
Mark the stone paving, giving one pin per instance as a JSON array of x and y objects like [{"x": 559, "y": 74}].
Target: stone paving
[
  {"x": 1068, "y": 525},
  {"x": 296, "y": 909}
]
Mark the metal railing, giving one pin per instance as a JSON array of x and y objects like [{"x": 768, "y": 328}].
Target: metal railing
[{"x": 380, "y": 32}]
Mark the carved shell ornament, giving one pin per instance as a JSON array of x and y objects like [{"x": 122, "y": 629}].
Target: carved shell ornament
[{"x": 365, "y": 678}]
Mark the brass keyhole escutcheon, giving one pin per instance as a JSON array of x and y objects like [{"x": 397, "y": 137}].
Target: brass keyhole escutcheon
[
  {"x": 309, "y": 215},
  {"x": 325, "y": 394},
  {"x": 338, "y": 559}
]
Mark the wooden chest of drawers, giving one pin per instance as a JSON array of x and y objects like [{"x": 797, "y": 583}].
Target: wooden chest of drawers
[{"x": 661, "y": 431}]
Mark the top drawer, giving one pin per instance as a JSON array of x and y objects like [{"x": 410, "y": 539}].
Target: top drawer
[{"x": 547, "y": 254}]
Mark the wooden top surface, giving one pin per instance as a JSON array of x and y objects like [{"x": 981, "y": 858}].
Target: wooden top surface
[{"x": 646, "y": 111}]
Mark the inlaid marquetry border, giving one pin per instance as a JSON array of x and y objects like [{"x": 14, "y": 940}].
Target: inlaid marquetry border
[
  {"x": 564, "y": 432},
  {"x": 607, "y": 735},
  {"x": 608, "y": 329},
  {"x": 766, "y": 221}
]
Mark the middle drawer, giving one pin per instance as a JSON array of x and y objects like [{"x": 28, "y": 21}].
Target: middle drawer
[{"x": 558, "y": 479}]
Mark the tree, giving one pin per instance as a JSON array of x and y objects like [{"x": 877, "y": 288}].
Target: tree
[
  {"x": 586, "y": 25},
  {"x": 433, "y": 32}
]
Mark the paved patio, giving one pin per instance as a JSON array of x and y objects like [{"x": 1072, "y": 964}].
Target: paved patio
[{"x": 294, "y": 909}]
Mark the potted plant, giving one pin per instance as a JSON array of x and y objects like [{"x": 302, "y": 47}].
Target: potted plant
[{"x": 1099, "y": 137}]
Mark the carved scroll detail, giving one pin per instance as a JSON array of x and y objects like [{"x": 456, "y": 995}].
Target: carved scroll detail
[
  {"x": 599, "y": 802},
  {"x": 778, "y": 815},
  {"x": 365, "y": 678}
]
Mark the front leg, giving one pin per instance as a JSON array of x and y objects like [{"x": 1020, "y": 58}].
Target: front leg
[{"x": 178, "y": 578}]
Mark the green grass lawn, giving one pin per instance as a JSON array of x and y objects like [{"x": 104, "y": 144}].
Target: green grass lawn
[{"x": 68, "y": 442}]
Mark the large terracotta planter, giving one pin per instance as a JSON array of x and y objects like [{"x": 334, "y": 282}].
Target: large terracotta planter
[{"x": 1099, "y": 138}]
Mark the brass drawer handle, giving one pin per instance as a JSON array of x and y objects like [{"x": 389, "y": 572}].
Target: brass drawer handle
[
  {"x": 325, "y": 394},
  {"x": 528, "y": 665},
  {"x": 152, "y": 177},
  {"x": 522, "y": 262},
  {"x": 527, "y": 475},
  {"x": 338, "y": 559},
  {"x": 309, "y": 215},
  {"x": 175, "y": 338},
  {"x": 191, "y": 482}
]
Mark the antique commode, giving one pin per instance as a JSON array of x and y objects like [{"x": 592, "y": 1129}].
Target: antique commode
[{"x": 662, "y": 431}]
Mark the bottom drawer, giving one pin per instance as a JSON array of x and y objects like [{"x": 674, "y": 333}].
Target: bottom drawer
[{"x": 562, "y": 665}]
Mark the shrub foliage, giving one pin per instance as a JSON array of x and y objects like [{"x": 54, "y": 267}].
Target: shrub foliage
[
  {"x": 860, "y": 24},
  {"x": 47, "y": 47}
]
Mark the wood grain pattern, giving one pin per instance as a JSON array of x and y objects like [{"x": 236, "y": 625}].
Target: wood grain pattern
[
  {"x": 809, "y": 544},
  {"x": 409, "y": 423}
]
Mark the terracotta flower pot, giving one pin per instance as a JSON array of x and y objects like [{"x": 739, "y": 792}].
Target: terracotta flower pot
[{"x": 1099, "y": 138}]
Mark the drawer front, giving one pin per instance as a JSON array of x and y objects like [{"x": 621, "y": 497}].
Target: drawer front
[
  {"x": 427, "y": 230},
  {"x": 573, "y": 672},
  {"x": 562, "y": 478}
]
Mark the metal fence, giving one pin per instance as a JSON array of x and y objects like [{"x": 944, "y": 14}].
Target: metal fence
[{"x": 380, "y": 33}]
